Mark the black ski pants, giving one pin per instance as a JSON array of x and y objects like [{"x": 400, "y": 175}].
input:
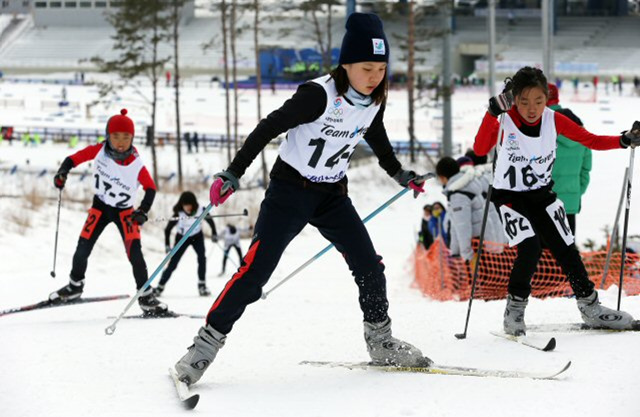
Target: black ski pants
[
  {"x": 197, "y": 242},
  {"x": 100, "y": 215},
  {"x": 533, "y": 206},
  {"x": 286, "y": 209}
]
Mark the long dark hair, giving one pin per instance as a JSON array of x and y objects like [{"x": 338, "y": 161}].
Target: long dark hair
[
  {"x": 339, "y": 75},
  {"x": 186, "y": 198},
  {"x": 528, "y": 77}
]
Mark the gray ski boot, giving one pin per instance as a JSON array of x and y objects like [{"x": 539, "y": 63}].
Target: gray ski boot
[
  {"x": 596, "y": 315},
  {"x": 514, "y": 315},
  {"x": 387, "y": 350},
  {"x": 201, "y": 354}
]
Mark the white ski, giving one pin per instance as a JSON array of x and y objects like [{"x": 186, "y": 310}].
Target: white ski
[
  {"x": 526, "y": 341},
  {"x": 577, "y": 327},
  {"x": 442, "y": 370},
  {"x": 188, "y": 400}
]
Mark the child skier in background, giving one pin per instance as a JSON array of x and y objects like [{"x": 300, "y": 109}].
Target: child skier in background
[
  {"x": 325, "y": 120},
  {"x": 231, "y": 237},
  {"x": 523, "y": 192},
  {"x": 185, "y": 213},
  {"x": 119, "y": 172}
]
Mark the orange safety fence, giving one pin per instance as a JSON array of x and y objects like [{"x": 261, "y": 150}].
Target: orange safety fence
[{"x": 443, "y": 277}]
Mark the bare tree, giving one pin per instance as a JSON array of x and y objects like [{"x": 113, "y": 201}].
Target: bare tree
[
  {"x": 141, "y": 26},
  {"x": 256, "y": 46},
  {"x": 234, "y": 73},
  {"x": 226, "y": 75},
  {"x": 175, "y": 17}
]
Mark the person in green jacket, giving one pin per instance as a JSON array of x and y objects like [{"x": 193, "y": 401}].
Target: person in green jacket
[{"x": 573, "y": 163}]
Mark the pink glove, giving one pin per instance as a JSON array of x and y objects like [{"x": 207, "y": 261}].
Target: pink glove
[
  {"x": 218, "y": 193},
  {"x": 417, "y": 187}
]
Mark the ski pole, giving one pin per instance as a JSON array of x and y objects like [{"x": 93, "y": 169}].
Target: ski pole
[
  {"x": 55, "y": 245},
  {"x": 485, "y": 215},
  {"x": 326, "y": 249},
  {"x": 112, "y": 328},
  {"x": 626, "y": 223},
  {"x": 245, "y": 212},
  {"x": 614, "y": 232}
]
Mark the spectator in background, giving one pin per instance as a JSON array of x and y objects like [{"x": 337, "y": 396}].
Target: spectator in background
[
  {"x": 436, "y": 222},
  {"x": 195, "y": 140},
  {"x": 573, "y": 162},
  {"x": 424, "y": 236},
  {"x": 466, "y": 198},
  {"x": 167, "y": 76},
  {"x": 187, "y": 138},
  {"x": 620, "y": 84}
]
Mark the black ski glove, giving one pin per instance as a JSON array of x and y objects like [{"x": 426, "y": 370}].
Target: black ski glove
[
  {"x": 503, "y": 101},
  {"x": 139, "y": 216},
  {"x": 500, "y": 103},
  {"x": 631, "y": 138},
  {"x": 60, "y": 179}
]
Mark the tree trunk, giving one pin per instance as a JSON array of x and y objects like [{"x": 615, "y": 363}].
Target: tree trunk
[
  {"x": 176, "y": 80},
  {"x": 234, "y": 76},
  {"x": 256, "y": 29},
  {"x": 327, "y": 56},
  {"x": 410, "y": 77},
  {"x": 223, "y": 7},
  {"x": 154, "y": 103}
]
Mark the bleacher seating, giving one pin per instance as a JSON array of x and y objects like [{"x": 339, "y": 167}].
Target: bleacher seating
[{"x": 611, "y": 42}]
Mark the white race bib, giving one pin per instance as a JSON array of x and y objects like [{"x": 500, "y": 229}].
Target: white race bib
[
  {"x": 516, "y": 227},
  {"x": 559, "y": 217}
]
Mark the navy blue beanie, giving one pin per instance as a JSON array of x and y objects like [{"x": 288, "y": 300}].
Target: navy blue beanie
[{"x": 365, "y": 40}]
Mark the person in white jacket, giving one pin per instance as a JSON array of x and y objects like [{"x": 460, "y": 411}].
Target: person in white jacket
[{"x": 466, "y": 207}]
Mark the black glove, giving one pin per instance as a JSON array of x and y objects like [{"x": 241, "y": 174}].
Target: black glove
[
  {"x": 631, "y": 138},
  {"x": 60, "y": 179},
  {"x": 214, "y": 238},
  {"x": 167, "y": 249},
  {"x": 501, "y": 103},
  {"x": 139, "y": 216}
]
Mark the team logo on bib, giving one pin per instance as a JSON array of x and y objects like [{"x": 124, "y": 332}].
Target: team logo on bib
[
  {"x": 512, "y": 142},
  {"x": 378, "y": 46}
]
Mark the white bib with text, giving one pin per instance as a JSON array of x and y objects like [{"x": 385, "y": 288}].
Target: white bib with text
[{"x": 321, "y": 150}]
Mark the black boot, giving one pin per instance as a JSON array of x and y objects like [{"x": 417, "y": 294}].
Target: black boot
[
  {"x": 203, "y": 290},
  {"x": 69, "y": 292},
  {"x": 150, "y": 305}
]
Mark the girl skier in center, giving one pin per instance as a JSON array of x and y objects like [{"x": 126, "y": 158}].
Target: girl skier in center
[{"x": 325, "y": 120}]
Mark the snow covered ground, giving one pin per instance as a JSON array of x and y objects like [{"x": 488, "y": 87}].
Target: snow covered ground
[{"x": 59, "y": 362}]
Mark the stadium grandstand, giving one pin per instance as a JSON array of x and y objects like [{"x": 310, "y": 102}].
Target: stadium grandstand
[{"x": 591, "y": 37}]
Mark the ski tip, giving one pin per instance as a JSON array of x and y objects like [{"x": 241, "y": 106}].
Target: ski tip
[
  {"x": 551, "y": 345},
  {"x": 191, "y": 402}
]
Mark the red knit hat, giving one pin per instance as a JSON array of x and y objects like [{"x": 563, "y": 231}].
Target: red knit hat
[
  {"x": 553, "y": 95},
  {"x": 120, "y": 123}
]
